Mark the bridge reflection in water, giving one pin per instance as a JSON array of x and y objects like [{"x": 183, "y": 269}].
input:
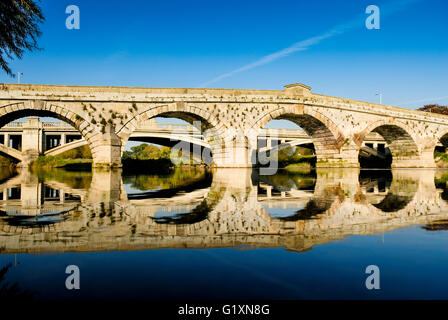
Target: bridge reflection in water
[{"x": 73, "y": 211}]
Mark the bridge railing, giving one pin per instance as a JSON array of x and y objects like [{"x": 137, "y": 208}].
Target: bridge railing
[
  {"x": 55, "y": 124},
  {"x": 168, "y": 126},
  {"x": 15, "y": 124},
  {"x": 42, "y": 124}
]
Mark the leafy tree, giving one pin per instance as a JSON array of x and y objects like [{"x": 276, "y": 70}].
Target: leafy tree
[
  {"x": 145, "y": 151},
  {"x": 165, "y": 152},
  {"x": 19, "y": 30},
  {"x": 434, "y": 108}
]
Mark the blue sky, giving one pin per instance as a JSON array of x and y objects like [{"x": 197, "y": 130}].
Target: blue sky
[{"x": 168, "y": 43}]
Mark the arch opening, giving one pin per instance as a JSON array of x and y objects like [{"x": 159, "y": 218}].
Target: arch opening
[
  {"x": 27, "y": 135},
  {"x": 298, "y": 139},
  {"x": 169, "y": 139},
  {"x": 441, "y": 152},
  {"x": 387, "y": 146}
]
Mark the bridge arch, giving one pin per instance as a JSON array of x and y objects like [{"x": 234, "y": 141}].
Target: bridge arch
[
  {"x": 211, "y": 128},
  {"x": 328, "y": 140},
  {"x": 442, "y": 137},
  {"x": 11, "y": 112},
  {"x": 398, "y": 136}
]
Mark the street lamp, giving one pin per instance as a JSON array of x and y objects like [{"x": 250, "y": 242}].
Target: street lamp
[{"x": 381, "y": 97}]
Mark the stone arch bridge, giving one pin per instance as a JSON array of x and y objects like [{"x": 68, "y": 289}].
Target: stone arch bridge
[{"x": 230, "y": 120}]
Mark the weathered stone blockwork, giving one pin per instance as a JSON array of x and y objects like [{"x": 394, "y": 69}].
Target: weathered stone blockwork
[{"x": 231, "y": 120}]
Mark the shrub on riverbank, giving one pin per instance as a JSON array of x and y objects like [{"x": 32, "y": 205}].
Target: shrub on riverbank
[{"x": 441, "y": 159}]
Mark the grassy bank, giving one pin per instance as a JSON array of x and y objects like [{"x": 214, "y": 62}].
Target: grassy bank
[
  {"x": 75, "y": 159},
  {"x": 160, "y": 166},
  {"x": 441, "y": 159},
  {"x": 59, "y": 162}
]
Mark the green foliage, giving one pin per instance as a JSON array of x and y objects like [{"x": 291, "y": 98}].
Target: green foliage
[
  {"x": 434, "y": 108},
  {"x": 82, "y": 152},
  {"x": 288, "y": 156},
  {"x": 174, "y": 179},
  {"x": 5, "y": 162},
  {"x": 56, "y": 162},
  {"x": 19, "y": 22},
  {"x": 74, "y": 179},
  {"x": 147, "y": 152}
]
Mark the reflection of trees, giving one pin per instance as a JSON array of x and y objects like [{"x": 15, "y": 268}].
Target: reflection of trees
[
  {"x": 436, "y": 226},
  {"x": 73, "y": 179},
  {"x": 7, "y": 173},
  {"x": 35, "y": 221},
  {"x": 178, "y": 178},
  {"x": 441, "y": 183},
  {"x": 392, "y": 202},
  {"x": 12, "y": 292},
  {"x": 291, "y": 180}
]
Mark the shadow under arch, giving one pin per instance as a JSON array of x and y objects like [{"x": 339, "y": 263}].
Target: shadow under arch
[{"x": 397, "y": 135}]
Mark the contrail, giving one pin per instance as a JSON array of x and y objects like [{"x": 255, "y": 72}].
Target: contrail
[
  {"x": 305, "y": 44},
  {"x": 298, "y": 46}
]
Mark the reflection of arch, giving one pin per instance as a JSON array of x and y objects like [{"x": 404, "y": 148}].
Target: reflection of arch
[
  {"x": 205, "y": 182},
  {"x": 186, "y": 193},
  {"x": 319, "y": 204},
  {"x": 397, "y": 135},
  {"x": 320, "y": 198},
  {"x": 401, "y": 192},
  {"x": 326, "y": 136},
  {"x": 443, "y": 138}
]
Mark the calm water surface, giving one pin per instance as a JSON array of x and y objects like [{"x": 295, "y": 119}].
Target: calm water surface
[{"x": 230, "y": 233}]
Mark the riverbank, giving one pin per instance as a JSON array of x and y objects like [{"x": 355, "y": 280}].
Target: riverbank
[{"x": 59, "y": 162}]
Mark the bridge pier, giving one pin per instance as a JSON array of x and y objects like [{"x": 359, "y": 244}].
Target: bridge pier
[
  {"x": 106, "y": 149},
  {"x": 346, "y": 157},
  {"x": 423, "y": 161},
  {"x": 106, "y": 188},
  {"x": 31, "y": 141},
  {"x": 236, "y": 151}
]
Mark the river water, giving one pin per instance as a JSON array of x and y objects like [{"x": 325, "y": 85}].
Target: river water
[{"x": 227, "y": 233}]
